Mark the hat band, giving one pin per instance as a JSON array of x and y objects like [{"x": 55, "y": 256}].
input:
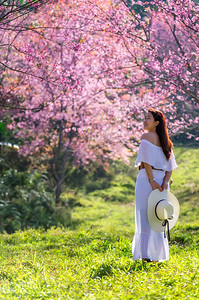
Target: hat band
[
  {"x": 156, "y": 209},
  {"x": 165, "y": 222}
]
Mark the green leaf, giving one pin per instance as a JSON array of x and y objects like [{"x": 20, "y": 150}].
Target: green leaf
[{"x": 2, "y": 128}]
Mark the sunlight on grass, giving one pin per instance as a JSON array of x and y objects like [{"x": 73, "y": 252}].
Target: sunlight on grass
[{"x": 92, "y": 258}]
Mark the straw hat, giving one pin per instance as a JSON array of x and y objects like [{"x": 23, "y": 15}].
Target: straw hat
[{"x": 163, "y": 209}]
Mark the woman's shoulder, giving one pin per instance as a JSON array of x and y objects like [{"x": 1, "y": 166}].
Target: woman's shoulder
[{"x": 151, "y": 137}]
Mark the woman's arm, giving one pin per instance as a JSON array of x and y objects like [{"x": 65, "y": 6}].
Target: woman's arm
[
  {"x": 152, "y": 181},
  {"x": 166, "y": 180}
]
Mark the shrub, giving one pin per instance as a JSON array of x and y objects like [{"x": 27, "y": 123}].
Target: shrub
[{"x": 25, "y": 201}]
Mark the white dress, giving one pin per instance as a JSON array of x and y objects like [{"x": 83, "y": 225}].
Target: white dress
[{"x": 148, "y": 244}]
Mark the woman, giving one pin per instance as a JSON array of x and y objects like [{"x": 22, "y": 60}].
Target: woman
[{"x": 156, "y": 161}]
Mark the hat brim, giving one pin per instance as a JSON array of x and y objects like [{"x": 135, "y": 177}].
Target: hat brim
[{"x": 154, "y": 197}]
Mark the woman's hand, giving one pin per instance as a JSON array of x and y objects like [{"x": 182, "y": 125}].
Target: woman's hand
[
  {"x": 155, "y": 186},
  {"x": 165, "y": 185}
]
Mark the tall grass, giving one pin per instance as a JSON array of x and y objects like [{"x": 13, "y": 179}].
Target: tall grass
[{"x": 92, "y": 258}]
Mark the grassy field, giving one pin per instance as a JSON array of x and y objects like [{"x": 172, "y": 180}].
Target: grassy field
[{"x": 92, "y": 258}]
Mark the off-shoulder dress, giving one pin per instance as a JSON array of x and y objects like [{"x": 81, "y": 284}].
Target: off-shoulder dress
[{"x": 148, "y": 244}]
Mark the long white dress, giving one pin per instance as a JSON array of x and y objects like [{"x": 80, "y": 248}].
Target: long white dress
[{"x": 148, "y": 244}]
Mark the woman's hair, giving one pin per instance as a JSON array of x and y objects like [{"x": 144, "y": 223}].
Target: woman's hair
[{"x": 162, "y": 132}]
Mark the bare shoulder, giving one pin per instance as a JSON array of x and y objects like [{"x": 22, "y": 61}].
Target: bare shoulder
[{"x": 151, "y": 137}]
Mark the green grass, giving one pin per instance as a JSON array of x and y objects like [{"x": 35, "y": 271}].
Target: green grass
[{"x": 92, "y": 258}]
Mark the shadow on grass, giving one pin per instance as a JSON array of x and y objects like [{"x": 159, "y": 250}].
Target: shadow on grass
[
  {"x": 102, "y": 270},
  {"x": 110, "y": 268},
  {"x": 188, "y": 196},
  {"x": 186, "y": 235},
  {"x": 192, "y": 228}
]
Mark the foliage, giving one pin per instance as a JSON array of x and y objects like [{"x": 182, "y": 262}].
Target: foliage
[
  {"x": 97, "y": 178},
  {"x": 25, "y": 201},
  {"x": 92, "y": 258},
  {"x": 2, "y": 130}
]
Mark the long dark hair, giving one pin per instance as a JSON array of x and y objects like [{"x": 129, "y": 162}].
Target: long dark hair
[{"x": 162, "y": 132}]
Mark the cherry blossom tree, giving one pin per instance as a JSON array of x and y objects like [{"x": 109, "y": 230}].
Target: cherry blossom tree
[
  {"x": 168, "y": 34},
  {"x": 168, "y": 37},
  {"x": 161, "y": 40},
  {"x": 68, "y": 112}
]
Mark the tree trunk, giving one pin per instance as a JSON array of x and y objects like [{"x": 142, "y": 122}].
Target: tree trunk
[
  {"x": 58, "y": 192},
  {"x": 61, "y": 179}
]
